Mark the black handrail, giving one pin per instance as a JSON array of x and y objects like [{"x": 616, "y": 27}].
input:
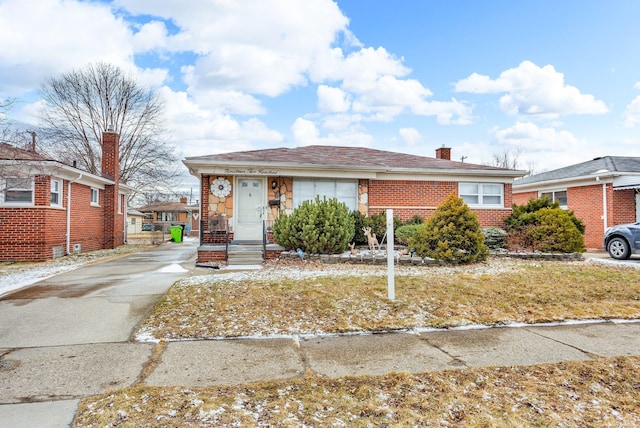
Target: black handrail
[
  {"x": 211, "y": 230},
  {"x": 264, "y": 240}
]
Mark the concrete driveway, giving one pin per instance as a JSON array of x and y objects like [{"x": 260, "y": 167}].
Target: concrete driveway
[{"x": 68, "y": 336}]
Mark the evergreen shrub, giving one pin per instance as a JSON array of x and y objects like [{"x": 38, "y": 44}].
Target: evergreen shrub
[
  {"x": 451, "y": 235},
  {"x": 316, "y": 227},
  {"x": 542, "y": 225}
]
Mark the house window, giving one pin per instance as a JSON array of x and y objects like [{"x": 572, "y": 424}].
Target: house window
[
  {"x": 94, "y": 197},
  {"x": 344, "y": 191},
  {"x": 133, "y": 221},
  {"x": 482, "y": 194},
  {"x": 55, "y": 193},
  {"x": 17, "y": 191},
  {"x": 557, "y": 195},
  {"x": 168, "y": 216}
]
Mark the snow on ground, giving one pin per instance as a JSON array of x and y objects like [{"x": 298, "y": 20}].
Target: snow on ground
[{"x": 14, "y": 278}]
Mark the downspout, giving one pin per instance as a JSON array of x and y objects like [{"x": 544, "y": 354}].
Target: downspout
[
  {"x": 604, "y": 205},
  {"x": 69, "y": 212}
]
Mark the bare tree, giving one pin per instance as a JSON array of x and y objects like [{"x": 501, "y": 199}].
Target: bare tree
[
  {"x": 508, "y": 158},
  {"x": 82, "y": 104}
]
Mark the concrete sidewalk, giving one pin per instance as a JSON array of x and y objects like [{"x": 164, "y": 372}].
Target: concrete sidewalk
[{"x": 68, "y": 338}]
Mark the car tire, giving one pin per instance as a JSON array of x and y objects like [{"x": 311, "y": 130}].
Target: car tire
[{"x": 618, "y": 248}]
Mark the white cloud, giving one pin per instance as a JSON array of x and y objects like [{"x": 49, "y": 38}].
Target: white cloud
[
  {"x": 257, "y": 47},
  {"x": 47, "y": 37},
  {"x": 534, "y": 91},
  {"x": 306, "y": 133},
  {"x": 411, "y": 136},
  {"x": 632, "y": 111},
  {"x": 201, "y": 131},
  {"x": 333, "y": 100}
]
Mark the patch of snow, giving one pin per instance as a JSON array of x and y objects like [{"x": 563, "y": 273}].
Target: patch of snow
[
  {"x": 242, "y": 267},
  {"x": 173, "y": 268},
  {"x": 20, "y": 278}
]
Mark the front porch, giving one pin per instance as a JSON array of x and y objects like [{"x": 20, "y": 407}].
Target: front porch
[{"x": 238, "y": 253}]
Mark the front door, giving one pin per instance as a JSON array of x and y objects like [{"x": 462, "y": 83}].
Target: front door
[
  {"x": 249, "y": 207},
  {"x": 637, "y": 205}
]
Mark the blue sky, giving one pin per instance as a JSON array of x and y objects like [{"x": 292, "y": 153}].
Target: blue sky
[{"x": 557, "y": 82}]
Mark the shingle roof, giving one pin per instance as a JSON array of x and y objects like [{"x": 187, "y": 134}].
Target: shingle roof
[
  {"x": 9, "y": 152},
  {"x": 340, "y": 156},
  {"x": 168, "y": 206},
  {"x": 606, "y": 164}
]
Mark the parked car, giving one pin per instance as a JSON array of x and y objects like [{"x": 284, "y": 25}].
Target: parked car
[{"x": 622, "y": 240}]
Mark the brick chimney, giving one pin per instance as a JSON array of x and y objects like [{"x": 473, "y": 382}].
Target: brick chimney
[
  {"x": 113, "y": 219},
  {"x": 443, "y": 153},
  {"x": 183, "y": 200}
]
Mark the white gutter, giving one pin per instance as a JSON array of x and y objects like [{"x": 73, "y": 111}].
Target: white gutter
[{"x": 69, "y": 183}]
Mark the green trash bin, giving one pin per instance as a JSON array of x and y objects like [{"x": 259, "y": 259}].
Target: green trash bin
[{"x": 176, "y": 233}]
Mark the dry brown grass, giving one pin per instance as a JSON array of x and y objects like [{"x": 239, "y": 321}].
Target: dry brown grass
[
  {"x": 602, "y": 392},
  {"x": 355, "y": 299}
]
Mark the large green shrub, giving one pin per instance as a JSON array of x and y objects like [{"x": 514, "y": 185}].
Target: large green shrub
[
  {"x": 452, "y": 235},
  {"x": 519, "y": 217},
  {"x": 552, "y": 230},
  {"x": 317, "y": 227},
  {"x": 543, "y": 226}
]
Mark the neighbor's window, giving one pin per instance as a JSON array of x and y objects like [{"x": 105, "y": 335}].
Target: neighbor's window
[
  {"x": 56, "y": 198},
  {"x": 17, "y": 190},
  {"x": 482, "y": 194},
  {"x": 133, "y": 221},
  {"x": 94, "y": 197},
  {"x": 168, "y": 216},
  {"x": 343, "y": 191},
  {"x": 557, "y": 195}
]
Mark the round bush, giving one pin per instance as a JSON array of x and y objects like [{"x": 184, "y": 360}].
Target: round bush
[
  {"x": 452, "y": 235},
  {"x": 553, "y": 230},
  {"x": 317, "y": 227}
]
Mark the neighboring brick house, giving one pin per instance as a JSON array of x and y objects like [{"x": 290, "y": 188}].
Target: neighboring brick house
[
  {"x": 49, "y": 209},
  {"x": 601, "y": 192},
  {"x": 166, "y": 214},
  {"x": 243, "y": 189}
]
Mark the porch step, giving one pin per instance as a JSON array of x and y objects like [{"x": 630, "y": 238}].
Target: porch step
[{"x": 244, "y": 255}]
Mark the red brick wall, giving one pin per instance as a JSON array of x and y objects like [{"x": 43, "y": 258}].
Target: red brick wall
[
  {"x": 409, "y": 198},
  {"x": 524, "y": 197},
  {"x": 623, "y": 206},
  {"x": 87, "y": 228},
  {"x": 586, "y": 204}
]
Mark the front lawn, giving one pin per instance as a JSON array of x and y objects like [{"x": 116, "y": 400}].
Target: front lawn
[
  {"x": 307, "y": 298},
  {"x": 602, "y": 392}
]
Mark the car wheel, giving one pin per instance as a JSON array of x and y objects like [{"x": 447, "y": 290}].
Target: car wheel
[{"x": 619, "y": 249}]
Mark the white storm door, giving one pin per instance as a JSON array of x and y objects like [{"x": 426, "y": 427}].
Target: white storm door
[
  {"x": 637, "y": 206},
  {"x": 249, "y": 209}
]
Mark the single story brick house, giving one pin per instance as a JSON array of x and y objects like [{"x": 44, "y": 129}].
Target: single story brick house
[
  {"x": 244, "y": 192},
  {"x": 602, "y": 192},
  {"x": 49, "y": 209},
  {"x": 167, "y": 214}
]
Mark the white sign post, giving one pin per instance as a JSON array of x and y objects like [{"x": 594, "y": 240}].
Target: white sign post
[{"x": 391, "y": 287}]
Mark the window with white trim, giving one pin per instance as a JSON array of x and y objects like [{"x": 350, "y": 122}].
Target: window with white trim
[
  {"x": 345, "y": 191},
  {"x": 482, "y": 194},
  {"x": 56, "y": 194},
  {"x": 556, "y": 195},
  {"x": 95, "y": 198},
  {"x": 17, "y": 190}
]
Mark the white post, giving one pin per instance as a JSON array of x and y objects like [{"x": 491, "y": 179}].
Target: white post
[{"x": 391, "y": 287}]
